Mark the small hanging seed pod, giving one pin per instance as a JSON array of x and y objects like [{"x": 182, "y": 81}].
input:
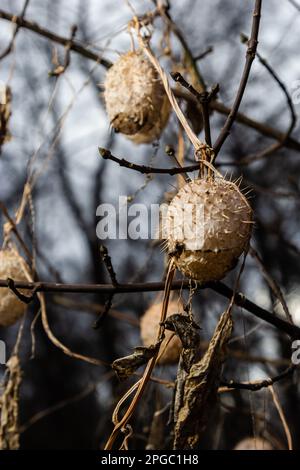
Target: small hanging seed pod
[
  {"x": 136, "y": 102},
  {"x": 251, "y": 443},
  {"x": 149, "y": 329},
  {"x": 11, "y": 308},
  {"x": 207, "y": 227}
]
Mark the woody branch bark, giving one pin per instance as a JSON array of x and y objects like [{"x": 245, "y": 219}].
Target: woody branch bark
[{"x": 73, "y": 45}]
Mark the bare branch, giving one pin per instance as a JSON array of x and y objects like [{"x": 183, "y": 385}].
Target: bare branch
[
  {"x": 295, "y": 4},
  {"x": 75, "y": 46},
  {"x": 64, "y": 41},
  {"x": 107, "y": 155},
  {"x": 239, "y": 299},
  {"x": 108, "y": 264},
  {"x": 278, "y": 145}
]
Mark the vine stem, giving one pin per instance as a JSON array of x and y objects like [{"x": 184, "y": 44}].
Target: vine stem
[{"x": 150, "y": 366}]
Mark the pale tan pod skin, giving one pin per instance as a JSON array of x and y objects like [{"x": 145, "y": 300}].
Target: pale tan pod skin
[
  {"x": 135, "y": 99},
  {"x": 11, "y": 308},
  {"x": 149, "y": 329},
  {"x": 249, "y": 443},
  {"x": 227, "y": 226}
]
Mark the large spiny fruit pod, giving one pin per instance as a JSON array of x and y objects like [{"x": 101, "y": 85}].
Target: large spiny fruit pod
[
  {"x": 149, "y": 328},
  {"x": 14, "y": 267},
  {"x": 135, "y": 99},
  {"x": 207, "y": 227}
]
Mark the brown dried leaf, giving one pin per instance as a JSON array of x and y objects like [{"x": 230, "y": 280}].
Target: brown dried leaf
[{"x": 9, "y": 406}]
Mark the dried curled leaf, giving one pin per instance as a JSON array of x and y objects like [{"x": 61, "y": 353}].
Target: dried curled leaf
[
  {"x": 5, "y": 112},
  {"x": 126, "y": 366},
  {"x": 198, "y": 393}
]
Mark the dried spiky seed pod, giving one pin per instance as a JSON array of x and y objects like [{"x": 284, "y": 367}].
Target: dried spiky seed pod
[
  {"x": 149, "y": 329},
  {"x": 207, "y": 227},
  {"x": 251, "y": 443},
  {"x": 14, "y": 267},
  {"x": 135, "y": 99}
]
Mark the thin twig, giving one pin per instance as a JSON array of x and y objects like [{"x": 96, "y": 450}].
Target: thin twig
[
  {"x": 171, "y": 153},
  {"x": 189, "y": 59},
  {"x": 14, "y": 229},
  {"x": 262, "y": 128},
  {"x": 63, "y": 403},
  {"x": 258, "y": 312},
  {"x": 204, "y": 98},
  {"x": 27, "y": 299},
  {"x": 108, "y": 304},
  {"x": 58, "y": 343},
  {"x": 120, "y": 425},
  {"x": 197, "y": 143},
  {"x": 64, "y": 41},
  {"x": 272, "y": 283}
]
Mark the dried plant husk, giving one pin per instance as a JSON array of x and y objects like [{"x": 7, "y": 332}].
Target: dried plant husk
[
  {"x": 149, "y": 327},
  {"x": 251, "y": 443},
  {"x": 135, "y": 99}
]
